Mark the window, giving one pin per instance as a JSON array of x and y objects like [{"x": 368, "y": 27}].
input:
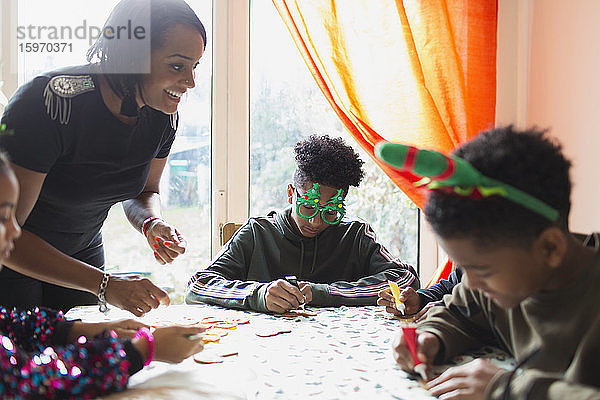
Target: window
[
  {"x": 286, "y": 106},
  {"x": 218, "y": 171},
  {"x": 185, "y": 186}
]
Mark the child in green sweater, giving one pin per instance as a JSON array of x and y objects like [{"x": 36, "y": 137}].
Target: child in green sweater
[
  {"x": 502, "y": 217},
  {"x": 336, "y": 259}
]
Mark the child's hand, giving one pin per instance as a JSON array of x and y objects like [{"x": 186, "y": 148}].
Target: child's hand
[
  {"x": 125, "y": 328},
  {"x": 282, "y": 296},
  {"x": 306, "y": 290},
  {"x": 467, "y": 381},
  {"x": 420, "y": 316},
  {"x": 408, "y": 296},
  {"x": 172, "y": 345},
  {"x": 428, "y": 346}
]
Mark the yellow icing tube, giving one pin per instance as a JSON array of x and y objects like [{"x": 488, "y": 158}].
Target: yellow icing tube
[{"x": 396, "y": 293}]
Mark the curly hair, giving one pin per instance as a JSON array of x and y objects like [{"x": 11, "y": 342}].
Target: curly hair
[
  {"x": 328, "y": 161},
  {"x": 528, "y": 160}
]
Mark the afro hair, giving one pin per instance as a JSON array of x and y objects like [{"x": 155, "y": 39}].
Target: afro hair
[{"x": 328, "y": 161}]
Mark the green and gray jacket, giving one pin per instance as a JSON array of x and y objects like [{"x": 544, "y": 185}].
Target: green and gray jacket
[{"x": 344, "y": 264}]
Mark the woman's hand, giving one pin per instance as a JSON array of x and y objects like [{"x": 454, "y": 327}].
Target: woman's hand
[
  {"x": 135, "y": 294},
  {"x": 166, "y": 241},
  {"x": 125, "y": 328}
]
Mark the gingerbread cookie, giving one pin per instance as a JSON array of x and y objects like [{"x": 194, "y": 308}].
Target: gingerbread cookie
[
  {"x": 271, "y": 331},
  {"x": 297, "y": 313}
]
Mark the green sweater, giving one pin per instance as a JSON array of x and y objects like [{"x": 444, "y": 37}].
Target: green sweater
[
  {"x": 555, "y": 335},
  {"x": 344, "y": 265}
]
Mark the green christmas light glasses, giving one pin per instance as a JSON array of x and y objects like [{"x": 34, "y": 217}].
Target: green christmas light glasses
[{"x": 308, "y": 206}]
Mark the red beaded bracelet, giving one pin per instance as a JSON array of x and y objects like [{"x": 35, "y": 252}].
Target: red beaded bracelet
[
  {"x": 146, "y": 334},
  {"x": 147, "y": 221}
]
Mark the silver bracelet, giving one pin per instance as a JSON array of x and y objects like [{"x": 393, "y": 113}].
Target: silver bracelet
[{"x": 102, "y": 293}]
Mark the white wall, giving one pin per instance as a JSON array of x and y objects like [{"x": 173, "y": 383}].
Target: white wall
[{"x": 549, "y": 76}]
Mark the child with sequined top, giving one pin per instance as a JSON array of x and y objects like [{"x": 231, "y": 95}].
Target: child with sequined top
[{"x": 42, "y": 355}]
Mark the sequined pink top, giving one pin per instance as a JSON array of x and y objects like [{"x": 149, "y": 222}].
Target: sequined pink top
[{"x": 34, "y": 364}]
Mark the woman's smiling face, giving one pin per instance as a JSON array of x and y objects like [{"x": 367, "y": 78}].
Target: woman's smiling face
[{"x": 172, "y": 68}]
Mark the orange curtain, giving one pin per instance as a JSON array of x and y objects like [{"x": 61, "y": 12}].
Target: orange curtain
[{"x": 416, "y": 72}]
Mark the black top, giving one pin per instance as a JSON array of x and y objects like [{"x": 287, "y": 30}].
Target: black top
[{"x": 92, "y": 159}]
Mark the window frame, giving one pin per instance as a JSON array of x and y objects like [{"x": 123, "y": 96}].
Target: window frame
[
  {"x": 9, "y": 79},
  {"x": 231, "y": 129},
  {"x": 230, "y": 170}
]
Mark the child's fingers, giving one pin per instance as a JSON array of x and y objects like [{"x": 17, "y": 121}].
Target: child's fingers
[
  {"x": 427, "y": 347},
  {"x": 381, "y": 301},
  {"x": 177, "y": 248},
  {"x": 279, "y": 298},
  {"x": 408, "y": 290},
  {"x": 191, "y": 330},
  {"x": 407, "y": 293},
  {"x": 306, "y": 290},
  {"x": 292, "y": 292},
  {"x": 421, "y": 314},
  {"x": 279, "y": 305},
  {"x": 130, "y": 324},
  {"x": 385, "y": 303},
  {"x": 393, "y": 310},
  {"x": 390, "y": 306},
  {"x": 198, "y": 347},
  {"x": 401, "y": 353},
  {"x": 386, "y": 295}
]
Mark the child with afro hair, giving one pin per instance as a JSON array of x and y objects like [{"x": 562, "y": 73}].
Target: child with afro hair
[{"x": 336, "y": 260}]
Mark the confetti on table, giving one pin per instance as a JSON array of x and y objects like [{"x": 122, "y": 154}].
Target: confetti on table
[{"x": 342, "y": 352}]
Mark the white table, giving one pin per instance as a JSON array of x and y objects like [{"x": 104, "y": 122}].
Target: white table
[{"x": 341, "y": 353}]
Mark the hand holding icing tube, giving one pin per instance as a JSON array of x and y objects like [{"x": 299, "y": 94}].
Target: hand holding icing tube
[
  {"x": 294, "y": 281},
  {"x": 396, "y": 293},
  {"x": 410, "y": 338}
]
